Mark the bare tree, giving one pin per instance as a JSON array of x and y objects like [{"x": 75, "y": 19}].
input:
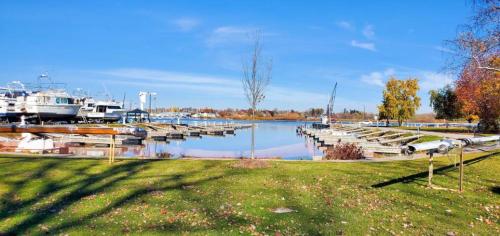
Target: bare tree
[
  {"x": 256, "y": 77},
  {"x": 478, "y": 42}
]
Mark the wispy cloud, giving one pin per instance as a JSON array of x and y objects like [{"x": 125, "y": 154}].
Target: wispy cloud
[
  {"x": 168, "y": 76},
  {"x": 369, "y": 31},
  {"x": 443, "y": 49},
  {"x": 433, "y": 80},
  {"x": 186, "y": 24},
  {"x": 427, "y": 79},
  {"x": 364, "y": 45},
  {"x": 210, "y": 86},
  {"x": 230, "y": 34},
  {"x": 345, "y": 25},
  {"x": 377, "y": 78}
]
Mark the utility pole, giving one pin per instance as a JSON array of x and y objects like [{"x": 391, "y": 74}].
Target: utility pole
[
  {"x": 149, "y": 103},
  {"x": 431, "y": 167},
  {"x": 461, "y": 178},
  {"x": 364, "y": 112}
]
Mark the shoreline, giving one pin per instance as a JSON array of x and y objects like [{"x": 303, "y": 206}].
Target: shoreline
[{"x": 366, "y": 160}]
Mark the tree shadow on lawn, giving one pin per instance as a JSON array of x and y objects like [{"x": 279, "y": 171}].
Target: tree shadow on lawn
[
  {"x": 424, "y": 174},
  {"x": 495, "y": 189},
  {"x": 87, "y": 185}
]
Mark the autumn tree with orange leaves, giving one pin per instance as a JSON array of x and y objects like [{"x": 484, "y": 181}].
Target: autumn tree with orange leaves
[
  {"x": 479, "y": 92},
  {"x": 476, "y": 58}
]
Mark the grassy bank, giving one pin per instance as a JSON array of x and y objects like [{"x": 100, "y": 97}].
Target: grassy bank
[
  {"x": 440, "y": 129},
  {"x": 53, "y": 196}
]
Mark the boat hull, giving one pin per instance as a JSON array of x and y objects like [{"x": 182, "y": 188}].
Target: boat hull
[
  {"x": 104, "y": 116},
  {"x": 50, "y": 112}
]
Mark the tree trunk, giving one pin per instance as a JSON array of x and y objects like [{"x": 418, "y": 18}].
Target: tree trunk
[{"x": 252, "y": 148}]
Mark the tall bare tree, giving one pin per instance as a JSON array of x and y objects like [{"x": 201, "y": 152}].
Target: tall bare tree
[
  {"x": 256, "y": 76},
  {"x": 478, "y": 41}
]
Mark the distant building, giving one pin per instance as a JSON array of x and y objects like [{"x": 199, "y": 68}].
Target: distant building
[{"x": 205, "y": 115}]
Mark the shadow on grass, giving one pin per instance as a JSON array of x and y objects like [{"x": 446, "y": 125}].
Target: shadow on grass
[
  {"x": 444, "y": 169},
  {"x": 71, "y": 191},
  {"x": 496, "y": 189}
]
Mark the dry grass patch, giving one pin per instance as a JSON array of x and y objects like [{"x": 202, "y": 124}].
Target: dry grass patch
[{"x": 251, "y": 164}]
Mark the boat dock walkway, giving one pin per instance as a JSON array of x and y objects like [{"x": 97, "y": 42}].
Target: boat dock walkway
[
  {"x": 160, "y": 132},
  {"x": 372, "y": 140}
]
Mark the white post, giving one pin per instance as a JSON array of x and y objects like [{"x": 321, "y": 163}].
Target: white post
[{"x": 23, "y": 120}]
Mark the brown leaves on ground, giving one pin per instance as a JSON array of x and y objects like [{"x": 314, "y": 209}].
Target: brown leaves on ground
[{"x": 251, "y": 164}]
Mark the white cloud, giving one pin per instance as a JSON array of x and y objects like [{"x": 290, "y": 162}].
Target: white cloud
[
  {"x": 345, "y": 25},
  {"x": 186, "y": 24},
  {"x": 369, "y": 31},
  {"x": 168, "y": 76},
  {"x": 432, "y": 80},
  {"x": 443, "y": 49},
  {"x": 427, "y": 79},
  {"x": 210, "y": 86},
  {"x": 377, "y": 78},
  {"x": 367, "y": 46},
  {"x": 230, "y": 34}
]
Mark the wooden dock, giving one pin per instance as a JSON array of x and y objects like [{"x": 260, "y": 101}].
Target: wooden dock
[{"x": 174, "y": 131}]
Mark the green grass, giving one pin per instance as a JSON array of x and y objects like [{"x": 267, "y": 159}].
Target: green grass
[
  {"x": 440, "y": 129},
  {"x": 71, "y": 196}
]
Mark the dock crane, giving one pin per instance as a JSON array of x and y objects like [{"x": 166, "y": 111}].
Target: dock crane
[{"x": 329, "y": 108}]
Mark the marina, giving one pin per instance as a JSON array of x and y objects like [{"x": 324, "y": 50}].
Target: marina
[
  {"x": 249, "y": 117},
  {"x": 195, "y": 138}
]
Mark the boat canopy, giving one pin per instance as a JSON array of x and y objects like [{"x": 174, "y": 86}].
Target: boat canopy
[{"x": 137, "y": 115}]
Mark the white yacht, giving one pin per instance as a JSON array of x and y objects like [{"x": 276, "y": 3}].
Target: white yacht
[
  {"x": 105, "y": 111},
  {"x": 8, "y": 98},
  {"x": 48, "y": 105},
  {"x": 88, "y": 104},
  {"x": 7, "y": 105}
]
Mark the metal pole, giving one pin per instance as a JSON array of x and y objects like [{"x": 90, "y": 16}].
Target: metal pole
[
  {"x": 113, "y": 150},
  {"x": 110, "y": 157},
  {"x": 431, "y": 168},
  {"x": 252, "y": 151},
  {"x": 149, "y": 101},
  {"x": 461, "y": 180}
]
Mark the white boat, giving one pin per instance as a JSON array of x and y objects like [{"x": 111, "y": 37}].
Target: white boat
[
  {"x": 48, "y": 105},
  {"x": 88, "y": 105},
  {"x": 8, "y": 98},
  {"x": 109, "y": 111},
  {"x": 7, "y": 108}
]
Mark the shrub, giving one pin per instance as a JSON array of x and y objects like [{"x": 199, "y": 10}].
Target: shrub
[
  {"x": 344, "y": 151},
  {"x": 163, "y": 155}
]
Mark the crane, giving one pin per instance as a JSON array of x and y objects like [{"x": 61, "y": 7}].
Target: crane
[{"x": 329, "y": 108}]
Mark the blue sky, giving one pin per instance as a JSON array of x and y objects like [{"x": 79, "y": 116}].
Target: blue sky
[{"x": 190, "y": 52}]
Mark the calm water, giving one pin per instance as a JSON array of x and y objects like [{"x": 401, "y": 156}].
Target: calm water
[{"x": 272, "y": 139}]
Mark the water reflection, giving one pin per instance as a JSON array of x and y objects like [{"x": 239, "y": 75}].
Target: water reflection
[{"x": 274, "y": 139}]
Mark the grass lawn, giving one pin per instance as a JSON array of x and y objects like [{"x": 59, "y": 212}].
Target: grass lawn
[
  {"x": 59, "y": 196},
  {"x": 440, "y": 129}
]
